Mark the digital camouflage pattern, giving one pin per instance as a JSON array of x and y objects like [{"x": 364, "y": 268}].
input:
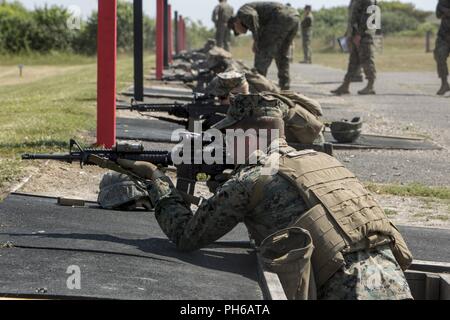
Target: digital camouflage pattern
[
  {"x": 252, "y": 106},
  {"x": 307, "y": 34},
  {"x": 279, "y": 207},
  {"x": 364, "y": 55},
  {"x": 118, "y": 191},
  {"x": 221, "y": 14},
  {"x": 274, "y": 27},
  {"x": 442, "y": 50},
  {"x": 368, "y": 275}
]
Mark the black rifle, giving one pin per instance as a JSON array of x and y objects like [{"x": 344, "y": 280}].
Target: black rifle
[
  {"x": 187, "y": 174},
  {"x": 201, "y": 109},
  {"x": 202, "y": 75}
]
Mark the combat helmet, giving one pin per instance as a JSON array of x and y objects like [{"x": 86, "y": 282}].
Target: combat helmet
[
  {"x": 346, "y": 131},
  {"x": 119, "y": 192}
]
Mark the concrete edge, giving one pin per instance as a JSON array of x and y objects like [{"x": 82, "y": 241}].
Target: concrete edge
[
  {"x": 430, "y": 266},
  {"x": 269, "y": 282}
]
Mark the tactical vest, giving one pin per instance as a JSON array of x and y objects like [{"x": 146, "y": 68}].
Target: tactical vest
[{"x": 343, "y": 216}]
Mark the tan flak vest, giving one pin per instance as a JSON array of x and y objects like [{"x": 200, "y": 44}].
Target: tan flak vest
[{"x": 343, "y": 216}]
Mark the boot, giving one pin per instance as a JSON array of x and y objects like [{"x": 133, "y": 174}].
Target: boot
[
  {"x": 343, "y": 89},
  {"x": 445, "y": 87},
  {"x": 369, "y": 89}
]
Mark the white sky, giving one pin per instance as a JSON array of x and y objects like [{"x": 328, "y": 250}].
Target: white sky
[{"x": 201, "y": 9}]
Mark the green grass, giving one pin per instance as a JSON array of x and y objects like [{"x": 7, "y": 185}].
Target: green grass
[
  {"x": 400, "y": 53},
  {"x": 52, "y": 59},
  {"x": 412, "y": 190},
  {"x": 42, "y": 116}
]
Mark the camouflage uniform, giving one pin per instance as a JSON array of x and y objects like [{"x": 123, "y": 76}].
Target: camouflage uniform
[
  {"x": 221, "y": 14},
  {"x": 307, "y": 33},
  {"x": 274, "y": 27},
  {"x": 368, "y": 274},
  {"x": 364, "y": 56},
  {"x": 442, "y": 50}
]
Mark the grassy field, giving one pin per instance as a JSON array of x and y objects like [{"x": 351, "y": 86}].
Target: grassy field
[
  {"x": 399, "y": 54},
  {"x": 41, "y": 114}
]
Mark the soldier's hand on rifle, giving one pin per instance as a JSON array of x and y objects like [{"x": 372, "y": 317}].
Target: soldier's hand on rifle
[{"x": 142, "y": 169}]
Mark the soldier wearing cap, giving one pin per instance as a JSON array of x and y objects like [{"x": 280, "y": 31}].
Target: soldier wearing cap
[
  {"x": 274, "y": 27},
  {"x": 300, "y": 114},
  {"x": 314, "y": 223}
]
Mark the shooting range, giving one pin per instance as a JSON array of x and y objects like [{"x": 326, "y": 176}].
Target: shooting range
[{"x": 54, "y": 226}]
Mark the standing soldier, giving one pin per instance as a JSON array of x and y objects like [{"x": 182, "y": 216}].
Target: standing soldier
[
  {"x": 307, "y": 33},
  {"x": 442, "y": 50},
  {"x": 362, "y": 52},
  {"x": 221, "y": 14},
  {"x": 274, "y": 27}
]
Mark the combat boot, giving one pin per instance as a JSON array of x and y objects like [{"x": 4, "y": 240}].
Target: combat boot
[
  {"x": 369, "y": 90},
  {"x": 343, "y": 89},
  {"x": 445, "y": 87}
]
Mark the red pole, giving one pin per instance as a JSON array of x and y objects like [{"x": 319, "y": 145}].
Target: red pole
[
  {"x": 106, "y": 72},
  {"x": 170, "y": 35},
  {"x": 159, "y": 39}
]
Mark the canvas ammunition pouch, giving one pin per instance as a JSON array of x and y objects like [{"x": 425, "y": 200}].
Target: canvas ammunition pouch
[
  {"x": 288, "y": 254},
  {"x": 343, "y": 216},
  {"x": 258, "y": 83},
  {"x": 302, "y": 123}
]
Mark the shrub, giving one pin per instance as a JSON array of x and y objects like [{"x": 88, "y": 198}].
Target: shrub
[{"x": 85, "y": 40}]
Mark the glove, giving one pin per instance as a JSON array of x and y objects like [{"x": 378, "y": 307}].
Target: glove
[{"x": 142, "y": 169}]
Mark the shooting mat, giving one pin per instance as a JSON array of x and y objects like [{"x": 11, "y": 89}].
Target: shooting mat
[
  {"x": 160, "y": 131},
  {"x": 122, "y": 255}
]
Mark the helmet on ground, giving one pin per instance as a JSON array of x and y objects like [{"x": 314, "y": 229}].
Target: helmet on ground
[
  {"x": 346, "y": 131},
  {"x": 119, "y": 192}
]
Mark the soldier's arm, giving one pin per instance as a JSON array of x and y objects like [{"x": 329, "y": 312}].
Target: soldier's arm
[
  {"x": 441, "y": 10},
  {"x": 214, "y": 218},
  {"x": 215, "y": 14}
]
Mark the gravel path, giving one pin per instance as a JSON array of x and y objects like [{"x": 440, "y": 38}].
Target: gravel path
[{"x": 405, "y": 105}]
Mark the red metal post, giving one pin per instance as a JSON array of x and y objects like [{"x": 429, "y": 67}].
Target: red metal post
[
  {"x": 170, "y": 35},
  {"x": 106, "y": 72},
  {"x": 159, "y": 39}
]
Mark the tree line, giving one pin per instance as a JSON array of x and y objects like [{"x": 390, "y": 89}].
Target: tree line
[{"x": 45, "y": 29}]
